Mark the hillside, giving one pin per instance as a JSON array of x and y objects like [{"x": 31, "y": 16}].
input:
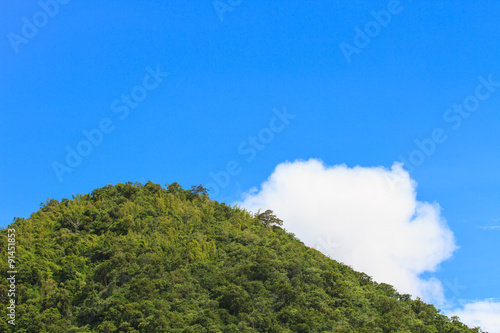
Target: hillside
[{"x": 142, "y": 258}]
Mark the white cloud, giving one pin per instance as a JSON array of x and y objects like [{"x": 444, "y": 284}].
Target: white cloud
[
  {"x": 485, "y": 314},
  {"x": 368, "y": 218}
]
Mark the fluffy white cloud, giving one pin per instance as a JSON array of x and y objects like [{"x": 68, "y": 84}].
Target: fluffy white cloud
[
  {"x": 368, "y": 218},
  {"x": 485, "y": 314}
]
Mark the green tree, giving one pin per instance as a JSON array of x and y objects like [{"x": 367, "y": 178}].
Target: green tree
[{"x": 269, "y": 219}]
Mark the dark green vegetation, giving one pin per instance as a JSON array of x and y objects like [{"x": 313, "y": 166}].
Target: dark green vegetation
[{"x": 142, "y": 258}]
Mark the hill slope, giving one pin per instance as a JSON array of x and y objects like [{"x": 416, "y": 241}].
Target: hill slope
[{"x": 142, "y": 258}]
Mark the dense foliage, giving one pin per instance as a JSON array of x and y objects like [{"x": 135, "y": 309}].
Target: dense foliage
[{"x": 142, "y": 258}]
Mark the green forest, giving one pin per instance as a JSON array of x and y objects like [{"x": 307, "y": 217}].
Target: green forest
[{"x": 145, "y": 258}]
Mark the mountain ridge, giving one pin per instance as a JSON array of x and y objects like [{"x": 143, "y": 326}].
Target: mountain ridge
[{"x": 145, "y": 258}]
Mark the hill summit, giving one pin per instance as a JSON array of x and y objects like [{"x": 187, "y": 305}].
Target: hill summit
[{"x": 146, "y": 258}]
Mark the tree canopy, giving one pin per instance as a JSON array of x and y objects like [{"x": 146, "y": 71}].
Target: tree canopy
[
  {"x": 269, "y": 219},
  {"x": 146, "y": 258}
]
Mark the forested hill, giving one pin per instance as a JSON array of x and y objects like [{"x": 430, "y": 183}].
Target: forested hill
[{"x": 142, "y": 258}]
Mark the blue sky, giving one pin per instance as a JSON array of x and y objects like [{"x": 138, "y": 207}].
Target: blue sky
[{"x": 231, "y": 68}]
